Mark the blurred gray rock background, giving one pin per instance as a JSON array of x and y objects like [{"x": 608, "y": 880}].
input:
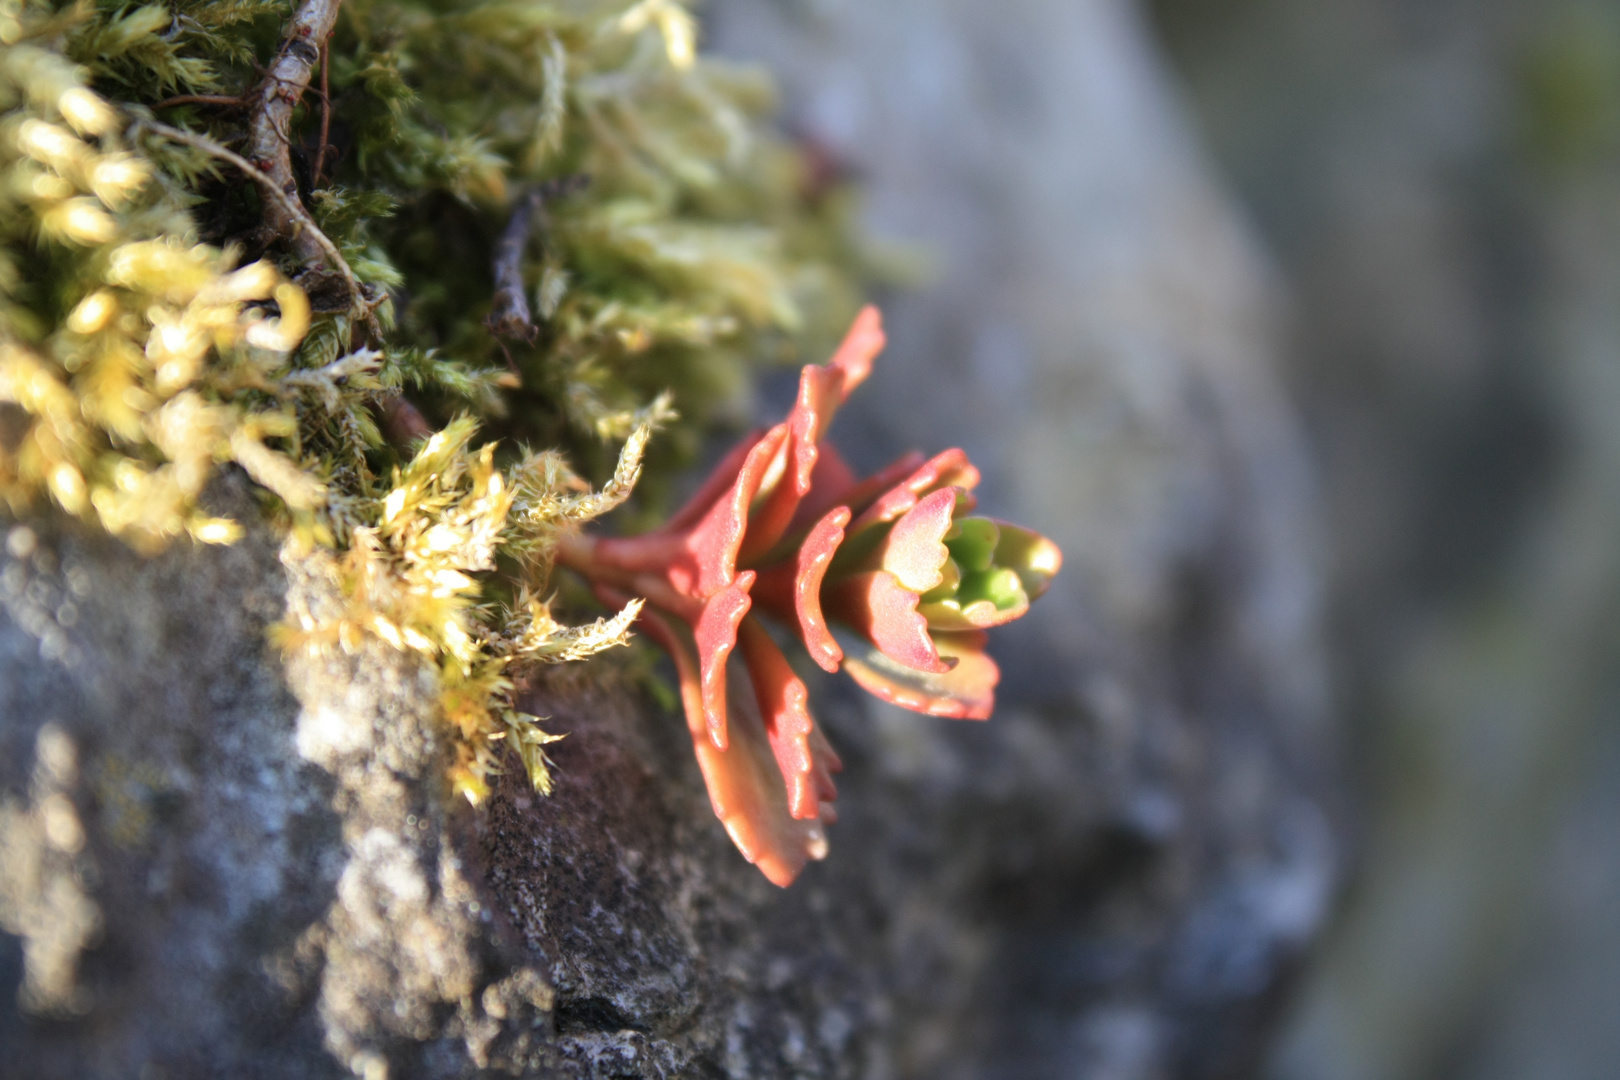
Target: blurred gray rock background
[{"x": 1439, "y": 185}]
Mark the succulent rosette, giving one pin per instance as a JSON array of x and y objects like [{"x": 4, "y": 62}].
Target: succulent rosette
[{"x": 890, "y": 577}]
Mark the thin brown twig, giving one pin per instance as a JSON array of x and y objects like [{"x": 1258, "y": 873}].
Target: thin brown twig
[
  {"x": 202, "y": 99},
  {"x": 269, "y": 128},
  {"x": 326, "y": 113},
  {"x": 509, "y": 315},
  {"x": 303, "y": 224}
]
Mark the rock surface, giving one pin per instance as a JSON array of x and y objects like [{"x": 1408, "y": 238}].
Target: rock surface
[{"x": 218, "y": 862}]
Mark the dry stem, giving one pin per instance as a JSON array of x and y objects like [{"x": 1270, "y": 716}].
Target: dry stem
[
  {"x": 269, "y": 129},
  {"x": 509, "y": 316},
  {"x": 326, "y": 115},
  {"x": 202, "y": 99}
]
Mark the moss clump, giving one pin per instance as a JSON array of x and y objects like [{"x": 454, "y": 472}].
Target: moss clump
[
  {"x": 267, "y": 233},
  {"x": 132, "y": 359}
]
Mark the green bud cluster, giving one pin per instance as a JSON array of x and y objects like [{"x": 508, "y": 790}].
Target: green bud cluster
[{"x": 992, "y": 573}]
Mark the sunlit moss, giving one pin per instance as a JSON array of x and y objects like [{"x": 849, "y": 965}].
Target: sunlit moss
[{"x": 123, "y": 343}]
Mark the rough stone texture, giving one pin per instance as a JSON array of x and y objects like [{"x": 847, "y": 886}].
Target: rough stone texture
[
  {"x": 1116, "y": 877},
  {"x": 143, "y": 698},
  {"x": 216, "y": 864}
]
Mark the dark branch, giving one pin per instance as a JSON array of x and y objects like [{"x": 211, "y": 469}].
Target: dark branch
[
  {"x": 509, "y": 316},
  {"x": 223, "y": 100},
  {"x": 326, "y": 115}
]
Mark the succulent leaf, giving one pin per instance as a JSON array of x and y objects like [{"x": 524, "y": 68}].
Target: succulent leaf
[
  {"x": 830, "y": 482},
  {"x": 915, "y": 550},
  {"x": 983, "y": 600},
  {"x": 822, "y": 388},
  {"x": 745, "y": 784},
  {"x": 973, "y": 544},
  {"x": 716, "y": 538},
  {"x": 1034, "y": 558},
  {"x": 716, "y": 633},
  {"x": 792, "y": 591},
  {"x": 966, "y": 691},
  {"x": 784, "y": 707},
  {"x": 875, "y": 605},
  {"x": 718, "y": 482},
  {"x": 859, "y": 348},
  {"x": 949, "y": 469}
]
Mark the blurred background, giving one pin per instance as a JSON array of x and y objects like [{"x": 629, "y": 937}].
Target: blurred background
[
  {"x": 1437, "y": 184},
  {"x": 1408, "y": 212}
]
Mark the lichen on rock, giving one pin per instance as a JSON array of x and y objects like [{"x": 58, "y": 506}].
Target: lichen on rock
[{"x": 44, "y": 880}]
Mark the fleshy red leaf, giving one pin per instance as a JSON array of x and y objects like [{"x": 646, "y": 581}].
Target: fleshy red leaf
[
  {"x": 950, "y": 469},
  {"x": 784, "y": 708},
  {"x": 824, "y": 762},
  {"x": 860, "y": 347},
  {"x": 716, "y": 634},
  {"x": 914, "y": 551},
  {"x": 883, "y": 611},
  {"x": 744, "y": 783},
  {"x": 714, "y": 541},
  {"x": 820, "y": 391},
  {"x": 745, "y": 789},
  {"x": 830, "y": 481},
  {"x": 792, "y": 590},
  {"x": 965, "y": 692},
  {"x": 822, "y": 388},
  {"x": 720, "y": 478},
  {"x": 858, "y": 496},
  {"x": 679, "y": 648},
  {"x": 810, "y": 569}
]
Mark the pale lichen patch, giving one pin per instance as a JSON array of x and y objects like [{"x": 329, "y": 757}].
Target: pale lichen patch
[{"x": 44, "y": 895}]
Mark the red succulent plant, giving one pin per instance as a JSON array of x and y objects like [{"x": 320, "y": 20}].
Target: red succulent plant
[{"x": 784, "y": 526}]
